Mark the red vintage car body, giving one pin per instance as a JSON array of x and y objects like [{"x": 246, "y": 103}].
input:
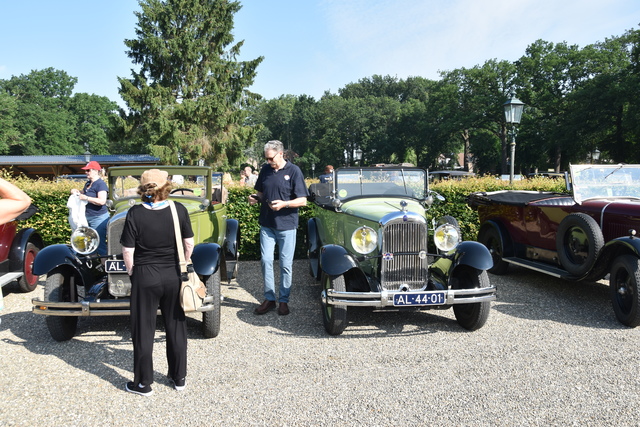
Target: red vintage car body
[{"x": 584, "y": 234}]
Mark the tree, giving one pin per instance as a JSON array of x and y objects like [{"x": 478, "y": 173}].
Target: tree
[
  {"x": 186, "y": 101},
  {"x": 9, "y": 134},
  {"x": 42, "y": 117}
]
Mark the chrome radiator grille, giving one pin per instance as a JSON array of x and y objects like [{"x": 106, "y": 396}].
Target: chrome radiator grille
[
  {"x": 404, "y": 240},
  {"x": 114, "y": 231}
]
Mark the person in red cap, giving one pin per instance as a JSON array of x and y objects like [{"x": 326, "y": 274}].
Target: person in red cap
[{"x": 95, "y": 193}]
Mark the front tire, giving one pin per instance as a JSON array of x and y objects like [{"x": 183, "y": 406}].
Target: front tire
[
  {"x": 29, "y": 281},
  {"x": 623, "y": 284},
  {"x": 211, "y": 319},
  {"x": 334, "y": 317},
  {"x": 471, "y": 316},
  {"x": 58, "y": 289}
]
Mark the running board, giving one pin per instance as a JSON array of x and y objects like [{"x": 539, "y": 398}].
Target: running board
[{"x": 540, "y": 267}]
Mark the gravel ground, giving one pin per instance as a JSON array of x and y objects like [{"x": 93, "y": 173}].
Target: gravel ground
[{"x": 552, "y": 353}]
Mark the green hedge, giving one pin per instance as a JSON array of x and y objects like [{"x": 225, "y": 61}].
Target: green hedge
[{"x": 51, "y": 198}]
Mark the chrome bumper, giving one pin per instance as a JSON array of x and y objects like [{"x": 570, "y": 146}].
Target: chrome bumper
[
  {"x": 385, "y": 298},
  {"x": 95, "y": 308}
]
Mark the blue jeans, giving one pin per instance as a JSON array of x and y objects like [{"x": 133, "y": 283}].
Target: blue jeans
[
  {"x": 286, "y": 241},
  {"x": 99, "y": 223}
]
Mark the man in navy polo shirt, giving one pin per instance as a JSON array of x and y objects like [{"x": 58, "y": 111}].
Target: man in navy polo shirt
[{"x": 280, "y": 190}]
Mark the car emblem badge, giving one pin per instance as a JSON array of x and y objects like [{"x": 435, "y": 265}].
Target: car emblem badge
[
  {"x": 387, "y": 256},
  {"x": 405, "y": 218}
]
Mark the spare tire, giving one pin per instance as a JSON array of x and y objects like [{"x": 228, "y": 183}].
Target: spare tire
[{"x": 579, "y": 241}]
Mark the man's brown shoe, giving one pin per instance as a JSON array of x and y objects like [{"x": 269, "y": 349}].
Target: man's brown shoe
[
  {"x": 283, "y": 309},
  {"x": 265, "y": 307}
]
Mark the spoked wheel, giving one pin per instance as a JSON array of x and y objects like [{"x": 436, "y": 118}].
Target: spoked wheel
[
  {"x": 29, "y": 281},
  {"x": 211, "y": 319},
  {"x": 334, "y": 316},
  {"x": 471, "y": 316},
  {"x": 623, "y": 284},
  {"x": 492, "y": 240},
  {"x": 58, "y": 289}
]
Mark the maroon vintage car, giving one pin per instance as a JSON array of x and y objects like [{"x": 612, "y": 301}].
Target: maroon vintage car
[
  {"x": 18, "y": 249},
  {"x": 585, "y": 234}
]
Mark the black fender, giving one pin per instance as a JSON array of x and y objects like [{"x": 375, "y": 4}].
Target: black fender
[
  {"x": 54, "y": 256},
  {"x": 612, "y": 250},
  {"x": 507, "y": 245},
  {"x": 473, "y": 254},
  {"x": 469, "y": 253},
  {"x": 232, "y": 240},
  {"x": 313, "y": 248},
  {"x": 206, "y": 258},
  {"x": 19, "y": 246},
  {"x": 335, "y": 260}
]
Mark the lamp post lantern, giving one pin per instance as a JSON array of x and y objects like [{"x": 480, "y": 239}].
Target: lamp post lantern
[
  {"x": 513, "y": 113},
  {"x": 357, "y": 155},
  {"x": 595, "y": 156}
]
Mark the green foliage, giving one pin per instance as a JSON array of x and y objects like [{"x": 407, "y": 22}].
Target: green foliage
[
  {"x": 51, "y": 198},
  {"x": 39, "y": 116},
  {"x": 186, "y": 101}
]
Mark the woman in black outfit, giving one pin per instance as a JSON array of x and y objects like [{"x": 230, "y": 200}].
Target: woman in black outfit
[{"x": 150, "y": 255}]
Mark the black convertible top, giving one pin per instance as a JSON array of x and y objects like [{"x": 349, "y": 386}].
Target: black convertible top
[{"x": 517, "y": 198}]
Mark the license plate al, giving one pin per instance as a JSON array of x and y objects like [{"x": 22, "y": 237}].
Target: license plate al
[
  {"x": 115, "y": 266},
  {"x": 419, "y": 298}
]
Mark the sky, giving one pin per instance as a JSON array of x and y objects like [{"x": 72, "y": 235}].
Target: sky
[{"x": 311, "y": 46}]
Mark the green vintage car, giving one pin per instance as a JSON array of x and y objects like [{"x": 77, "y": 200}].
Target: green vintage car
[
  {"x": 368, "y": 244},
  {"x": 82, "y": 284}
]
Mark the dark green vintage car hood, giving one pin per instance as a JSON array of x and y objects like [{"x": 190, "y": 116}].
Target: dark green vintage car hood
[{"x": 374, "y": 208}]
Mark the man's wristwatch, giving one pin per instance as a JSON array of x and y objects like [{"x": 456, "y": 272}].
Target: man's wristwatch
[{"x": 287, "y": 205}]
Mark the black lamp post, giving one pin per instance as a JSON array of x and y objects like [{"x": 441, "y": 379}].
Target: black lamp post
[{"x": 513, "y": 113}]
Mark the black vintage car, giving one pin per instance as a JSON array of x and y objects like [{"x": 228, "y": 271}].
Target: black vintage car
[
  {"x": 581, "y": 235},
  {"x": 81, "y": 284},
  {"x": 369, "y": 244}
]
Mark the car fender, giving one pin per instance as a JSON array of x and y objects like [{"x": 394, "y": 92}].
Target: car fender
[
  {"x": 53, "y": 256},
  {"x": 232, "y": 239},
  {"x": 473, "y": 254},
  {"x": 313, "y": 242},
  {"x": 19, "y": 246},
  {"x": 206, "y": 258},
  {"x": 507, "y": 244},
  {"x": 336, "y": 260}
]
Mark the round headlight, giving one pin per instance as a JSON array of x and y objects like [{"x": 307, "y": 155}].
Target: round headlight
[
  {"x": 85, "y": 240},
  {"x": 446, "y": 237},
  {"x": 364, "y": 240}
]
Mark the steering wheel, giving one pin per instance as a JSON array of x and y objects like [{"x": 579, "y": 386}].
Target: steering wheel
[{"x": 181, "y": 189}]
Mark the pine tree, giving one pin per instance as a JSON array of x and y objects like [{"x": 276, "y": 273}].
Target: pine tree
[{"x": 186, "y": 101}]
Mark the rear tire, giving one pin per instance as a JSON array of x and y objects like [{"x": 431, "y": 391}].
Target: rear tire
[
  {"x": 471, "y": 316},
  {"x": 334, "y": 316},
  {"x": 58, "y": 289},
  {"x": 29, "y": 281},
  {"x": 211, "y": 319}
]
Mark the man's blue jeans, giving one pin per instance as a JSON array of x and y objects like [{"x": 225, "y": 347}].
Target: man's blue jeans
[{"x": 286, "y": 241}]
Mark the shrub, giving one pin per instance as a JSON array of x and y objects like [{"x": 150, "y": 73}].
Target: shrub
[{"x": 51, "y": 198}]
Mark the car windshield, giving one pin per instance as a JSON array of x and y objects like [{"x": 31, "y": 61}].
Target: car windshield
[
  {"x": 604, "y": 181},
  {"x": 386, "y": 182},
  {"x": 191, "y": 186}
]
